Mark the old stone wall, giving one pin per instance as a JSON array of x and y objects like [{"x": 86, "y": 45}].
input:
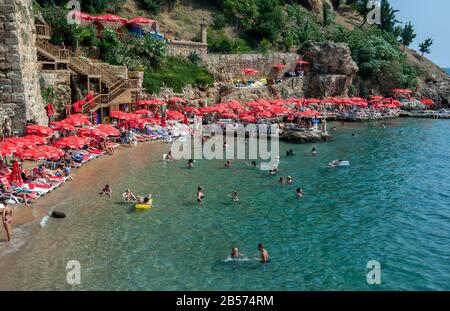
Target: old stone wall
[
  {"x": 227, "y": 67},
  {"x": 184, "y": 48},
  {"x": 20, "y": 94}
]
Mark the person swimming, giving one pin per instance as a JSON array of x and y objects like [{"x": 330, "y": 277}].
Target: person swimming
[
  {"x": 299, "y": 193},
  {"x": 314, "y": 151},
  {"x": 200, "y": 195},
  {"x": 144, "y": 200},
  {"x": 272, "y": 172},
  {"x": 190, "y": 163},
  {"x": 106, "y": 191},
  {"x": 288, "y": 153},
  {"x": 254, "y": 164},
  {"x": 264, "y": 253},
  {"x": 128, "y": 196},
  {"x": 291, "y": 153},
  {"x": 235, "y": 253},
  {"x": 234, "y": 196},
  {"x": 228, "y": 164},
  {"x": 335, "y": 163},
  {"x": 289, "y": 180},
  {"x": 282, "y": 181}
]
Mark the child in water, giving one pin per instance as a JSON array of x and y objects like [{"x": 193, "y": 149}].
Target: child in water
[
  {"x": 299, "y": 193},
  {"x": 235, "y": 253},
  {"x": 106, "y": 191},
  {"x": 200, "y": 195}
]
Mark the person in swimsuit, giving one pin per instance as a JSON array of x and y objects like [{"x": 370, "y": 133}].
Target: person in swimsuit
[
  {"x": 289, "y": 180},
  {"x": 144, "y": 200},
  {"x": 314, "y": 151},
  {"x": 299, "y": 193},
  {"x": 200, "y": 195},
  {"x": 106, "y": 191},
  {"x": 7, "y": 220},
  {"x": 228, "y": 164},
  {"x": 128, "y": 196},
  {"x": 235, "y": 253},
  {"x": 282, "y": 181},
  {"x": 234, "y": 196},
  {"x": 254, "y": 164},
  {"x": 264, "y": 254},
  {"x": 190, "y": 163}
]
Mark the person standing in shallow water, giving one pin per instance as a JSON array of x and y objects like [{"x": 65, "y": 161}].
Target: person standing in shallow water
[
  {"x": 7, "y": 220},
  {"x": 200, "y": 195},
  {"x": 264, "y": 253}
]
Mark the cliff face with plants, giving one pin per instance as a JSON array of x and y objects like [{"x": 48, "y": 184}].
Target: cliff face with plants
[{"x": 379, "y": 51}]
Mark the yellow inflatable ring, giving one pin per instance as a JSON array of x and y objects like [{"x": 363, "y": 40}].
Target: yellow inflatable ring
[{"x": 143, "y": 206}]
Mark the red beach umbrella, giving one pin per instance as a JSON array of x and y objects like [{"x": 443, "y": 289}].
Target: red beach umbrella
[
  {"x": 19, "y": 141},
  {"x": 191, "y": 110},
  {"x": 50, "y": 110},
  {"x": 229, "y": 115},
  {"x": 144, "y": 112},
  {"x": 90, "y": 132},
  {"x": 279, "y": 66},
  {"x": 62, "y": 126},
  {"x": 8, "y": 148},
  {"x": 426, "y": 101},
  {"x": 249, "y": 119},
  {"x": 40, "y": 130},
  {"x": 108, "y": 130},
  {"x": 36, "y": 140},
  {"x": 74, "y": 142},
  {"x": 174, "y": 115},
  {"x": 175, "y": 100},
  {"x": 15, "y": 177}
]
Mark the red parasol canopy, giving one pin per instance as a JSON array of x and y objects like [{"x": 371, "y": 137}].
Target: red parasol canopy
[
  {"x": 108, "y": 130},
  {"x": 426, "y": 101},
  {"x": 50, "y": 110},
  {"x": 119, "y": 115},
  {"x": 35, "y": 140},
  {"x": 402, "y": 91},
  {"x": 40, "y": 130},
  {"x": 249, "y": 71},
  {"x": 302, "y": 62},
  {"x": 61, "y": 125},
  {"x": 228, "y": 115},
  {"x": 174, "y": 115},
  {"x": 90, "y": 132},
  {"x": 74, "y": 142},
  {"x": 175, "y": 100},
  {"x": 191, "y": 110},
  {"x": 8, "y": 148},
  {"x": 141, "y": 20},
  {"x": 144, "y": 112},
  {"x": 279, "y": 66},
  {"x": 19, "y": 141},
  {"x": 249, "y": 119},
  {"x": 15, "y": 177},
  {"x": 111, "y": 18}
]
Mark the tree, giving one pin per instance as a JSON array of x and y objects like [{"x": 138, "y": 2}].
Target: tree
[
  {"x": 425, "y": 46},
  {"x": 407, "y": 35},
  {"x": 388, "y": 17}
]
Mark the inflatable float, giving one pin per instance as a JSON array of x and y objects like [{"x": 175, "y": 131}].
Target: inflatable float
[
  {"x": 337, "y": 163},
  {"x": 147, "y": 205}
]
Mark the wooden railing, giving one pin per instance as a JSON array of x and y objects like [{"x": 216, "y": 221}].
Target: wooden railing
[
  {"x": 53, "y": 51},
  {"x": 43, "y": 31}
]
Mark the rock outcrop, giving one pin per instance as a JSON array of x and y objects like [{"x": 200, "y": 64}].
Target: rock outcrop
[
  {"x": 332, "y": 69},
  {"x": 304, "y": 137}
]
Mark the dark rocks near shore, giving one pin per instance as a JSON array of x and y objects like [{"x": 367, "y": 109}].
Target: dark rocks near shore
[{"x": 304, "y": 137}]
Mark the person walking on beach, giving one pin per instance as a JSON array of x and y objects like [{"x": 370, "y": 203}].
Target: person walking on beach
[
  {"x": 7, "y": 219},
  {"x": 106, "y": 191},
  {"x": 264, "y": 253},
  {"x": 200, "y": 195}
]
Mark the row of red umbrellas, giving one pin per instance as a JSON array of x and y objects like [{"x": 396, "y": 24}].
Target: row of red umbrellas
[{"x": 114, "y": 19}]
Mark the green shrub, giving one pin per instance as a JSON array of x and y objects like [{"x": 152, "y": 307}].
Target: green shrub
[{"x": 176, "y": 73}]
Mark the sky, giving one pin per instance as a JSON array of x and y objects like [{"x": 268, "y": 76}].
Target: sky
[{"x": 431, "y": 19}]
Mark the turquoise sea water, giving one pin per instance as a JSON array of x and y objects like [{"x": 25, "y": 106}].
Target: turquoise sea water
[{"x": 391, "y": 205}]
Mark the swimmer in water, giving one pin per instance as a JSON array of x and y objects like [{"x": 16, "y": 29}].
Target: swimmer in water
[
  {"x": 282, "y": 181},
  {"x": 200, "y": 195},
  {"x": 228, "y": 164},
  {"x": 264, "y": 254},
  {"x": 335, "y": 163},
  {"x": 190, "y": 163},
  {"x": 291, "y": 153},
  {"x": 272, "y": 172},
  {"x": 353, "y": 135},
  {"x": 299, "y": 193},
  {"x": 128, "y": 196},
  {"x": 106, "y": 191},
  {"x": 314, "y": 151},
  {"x": 235, "y": 253},
  {"x": 144, "y": 200},
  {"x": 234, "y": 196},
  {"x": 288, "y": 153},
  {"x": 254, "y": 164},
  {"x": 289, "y": 180},
  {"x": 334, "y": 128}
]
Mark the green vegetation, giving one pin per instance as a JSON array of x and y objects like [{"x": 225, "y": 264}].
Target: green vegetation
[
  {"x": 407, "y": 35},
  {"x": 176, "y": 73},
  {"x": 425, "y": 46}
]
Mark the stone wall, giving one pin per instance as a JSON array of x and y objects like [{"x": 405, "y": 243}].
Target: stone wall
[
  {"x": 20, "y": 94},
  {"x": 226, "y": 67},
  {"x": 60, "y": 81},
  {"x": 184, "y": 48}
]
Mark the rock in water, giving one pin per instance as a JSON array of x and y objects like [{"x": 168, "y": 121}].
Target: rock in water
[{"x": 56, "y": 214}]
